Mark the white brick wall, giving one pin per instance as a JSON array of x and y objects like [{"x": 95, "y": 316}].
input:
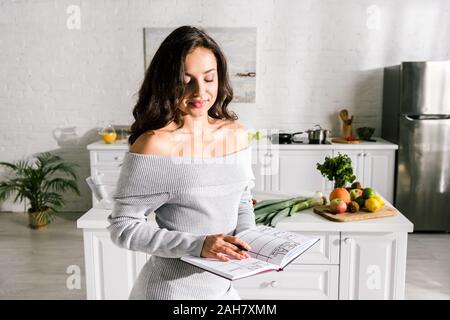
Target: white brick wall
[{"x": 313, "y": 58}]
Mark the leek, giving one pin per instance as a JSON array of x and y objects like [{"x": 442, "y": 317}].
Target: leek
[{"x": 270, "y": 212}]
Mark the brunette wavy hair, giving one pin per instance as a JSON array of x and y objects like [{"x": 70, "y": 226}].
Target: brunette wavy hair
[{"x": 163, "y": 86}]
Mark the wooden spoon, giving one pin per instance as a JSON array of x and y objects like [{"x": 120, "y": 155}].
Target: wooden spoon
[
  {"x": 349, "y": 120},
  {"x": 344, "y": 114}
]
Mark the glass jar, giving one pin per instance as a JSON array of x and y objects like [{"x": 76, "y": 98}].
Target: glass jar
[{"x": 107, "y": 132}]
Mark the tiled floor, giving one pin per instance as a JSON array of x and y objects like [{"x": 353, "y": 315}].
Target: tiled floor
[{"x": 34, "y": 264}]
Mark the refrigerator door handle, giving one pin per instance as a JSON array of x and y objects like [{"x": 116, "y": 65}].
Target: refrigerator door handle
[{"x": 421, "y": 117}]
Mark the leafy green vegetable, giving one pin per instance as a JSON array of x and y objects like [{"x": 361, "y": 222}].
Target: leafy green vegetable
[
  {"x": 338, "y": 169},
  {"x": 279, "y": 216},
  {"x": 269, "y": 212}
]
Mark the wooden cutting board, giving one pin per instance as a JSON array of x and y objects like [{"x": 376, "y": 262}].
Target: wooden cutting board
[
  {"x": 342, "y": 140},
  {"x": 357, "y": 216}
]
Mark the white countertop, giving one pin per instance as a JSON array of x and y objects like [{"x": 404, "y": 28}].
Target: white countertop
[
  {"x": 380, "y": 144},
  {"x": 305, "y": 220}
]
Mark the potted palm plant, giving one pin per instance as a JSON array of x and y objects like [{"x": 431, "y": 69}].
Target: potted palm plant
[{"x": 39, "y": 184}]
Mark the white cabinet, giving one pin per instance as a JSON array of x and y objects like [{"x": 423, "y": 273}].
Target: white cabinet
[
  {"x": 314, "y": 275},
  {"x": 106, "y": 164},
  {"x": 379, "y": 171},
  {"x": 297, "y": 281},
  {"x": 372, "y": 265},
  {"x": 110, "y": 271},
  {"x": 297, "y": 171},
  {"x": 326, "y": 251},
  {"x": 374, "y": 168}
]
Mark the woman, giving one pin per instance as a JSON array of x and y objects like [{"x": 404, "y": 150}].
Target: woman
[{"x": 189, "y": 162}]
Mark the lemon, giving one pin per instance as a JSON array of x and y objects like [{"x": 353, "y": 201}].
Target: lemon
[
  {"x": 379, "y": 199},
  {"x": 258, "y": 135},
  {"x": 372, "y": 204}
]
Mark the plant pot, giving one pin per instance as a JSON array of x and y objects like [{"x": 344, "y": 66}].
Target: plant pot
[{"x": 38, "y": 219}]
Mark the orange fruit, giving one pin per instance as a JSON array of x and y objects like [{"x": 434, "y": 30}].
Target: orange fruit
[{"x": 340, "y": 193}]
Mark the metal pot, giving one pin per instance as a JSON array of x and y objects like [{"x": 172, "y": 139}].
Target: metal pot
[
  {"x": 283, "y": 138},
  {"x": 318, "y": 136}
]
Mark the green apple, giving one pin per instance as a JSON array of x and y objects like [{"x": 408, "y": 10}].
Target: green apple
[
  {"x": 368, "y": 193},
  {"x": 355, "y": 194}
]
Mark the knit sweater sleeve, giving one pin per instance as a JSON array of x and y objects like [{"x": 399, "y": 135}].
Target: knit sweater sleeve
[{"x": 129, "y": 229}]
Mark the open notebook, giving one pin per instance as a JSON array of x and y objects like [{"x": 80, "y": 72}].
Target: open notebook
[{"x": 271, "y": 250}]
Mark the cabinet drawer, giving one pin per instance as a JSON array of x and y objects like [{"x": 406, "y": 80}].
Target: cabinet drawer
[
  {"x": 295, "y": 282},
  {"x": 113, "y": 158},
  {"x": 325, "y": 251}
]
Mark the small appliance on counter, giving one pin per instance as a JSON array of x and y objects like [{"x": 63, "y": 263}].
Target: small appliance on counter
[{"x": 317, "y": 135}]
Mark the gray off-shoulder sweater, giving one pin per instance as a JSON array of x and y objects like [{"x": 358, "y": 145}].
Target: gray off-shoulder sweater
[{"x": 192, "y": 198}]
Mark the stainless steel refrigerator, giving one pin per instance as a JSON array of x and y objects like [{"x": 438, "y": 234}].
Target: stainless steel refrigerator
[{"x": 416, "y": 116}]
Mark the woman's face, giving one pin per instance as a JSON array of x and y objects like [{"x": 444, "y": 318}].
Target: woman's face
[{"x": 201, "y": 81}]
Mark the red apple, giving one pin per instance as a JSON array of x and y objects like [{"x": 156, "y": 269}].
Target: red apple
[{"x": 338, "y": 206}]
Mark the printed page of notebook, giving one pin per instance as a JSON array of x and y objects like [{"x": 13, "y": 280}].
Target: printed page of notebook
[
  {"x": 231, "y": 269},
  {"x": 272, "y": 245}
]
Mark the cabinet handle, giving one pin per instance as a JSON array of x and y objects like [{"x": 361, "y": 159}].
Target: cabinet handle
[
  {"x": 116, "y": 158},
  {"x": 274, "y": 284},
  {"x": 348, "y": 240},
  {"x": 360, "y": 154},
  {"x": 366, "y": 154}
]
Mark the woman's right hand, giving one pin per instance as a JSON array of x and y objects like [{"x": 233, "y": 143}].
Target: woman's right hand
[{"x": 218, "y": 246}]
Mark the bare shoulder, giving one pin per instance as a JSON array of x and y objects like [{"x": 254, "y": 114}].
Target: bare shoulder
[
  {"x": 152, "y": 142},
  {"x": 238, "y": 133}
]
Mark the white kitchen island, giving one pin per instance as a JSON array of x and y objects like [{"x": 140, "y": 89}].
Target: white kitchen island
[{"x": 352, "y": 260}]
